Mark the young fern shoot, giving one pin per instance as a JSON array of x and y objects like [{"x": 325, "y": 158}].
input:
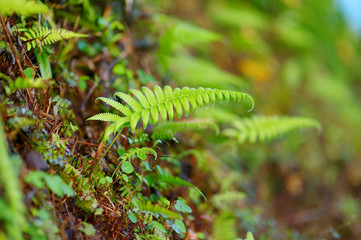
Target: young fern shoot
[
  {"x": 147, "y": 105},
  {"x": 46, "y": 36}
]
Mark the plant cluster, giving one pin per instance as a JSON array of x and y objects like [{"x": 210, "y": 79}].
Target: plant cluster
[{"x": 140, "y": 169}]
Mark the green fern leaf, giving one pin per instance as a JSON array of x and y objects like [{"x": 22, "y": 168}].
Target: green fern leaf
[
  {"x": 21, "y": 7},
  {"x": 47, "y": 36},
  {"x": 148, "y": 105},
  {"x": 265, "y": 128},
  {"x": 158, "y": 210},
  {"x": 171, "y": 181},
  {"x": 107, "y": 117},
  {"x": 168, "y": 130}
]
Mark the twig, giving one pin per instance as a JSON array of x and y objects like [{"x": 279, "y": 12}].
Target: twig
[{"x": 13, "y": 49}]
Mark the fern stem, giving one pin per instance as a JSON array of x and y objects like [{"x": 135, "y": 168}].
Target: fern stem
[
  {"x": 116, "y": 169},
  {"x": 115, "y": 138}
]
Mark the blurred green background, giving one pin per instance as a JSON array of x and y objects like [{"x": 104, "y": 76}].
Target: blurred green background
[{"x": 296, "y": 57}]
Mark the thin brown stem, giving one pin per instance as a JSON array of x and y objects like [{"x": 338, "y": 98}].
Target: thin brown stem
[
  {"x": 12, "y": 47},
  {"x": 115, "y": 138},
  {"x": 15, "y": 52}
]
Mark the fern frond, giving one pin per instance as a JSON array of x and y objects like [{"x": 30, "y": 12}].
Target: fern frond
[
  {"x": 171, "y": 181},
  {"x": 221, "y": 199},
  {"x": 264, "y": 128},
  {"x": 47, "y": 36},
  {"x": 156, "y": 210},
  {"x": 224, "y": 227},
  {"x": 106, "y": 117},
  {"x": 168, "y": 130},
  {"x": 138, "y": 152},
  {"x": 148, "y": 105},
  {"x": 21, "y": 7}
]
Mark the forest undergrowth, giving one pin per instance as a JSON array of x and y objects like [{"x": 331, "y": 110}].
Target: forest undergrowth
[{"x": 157, "y": 120}]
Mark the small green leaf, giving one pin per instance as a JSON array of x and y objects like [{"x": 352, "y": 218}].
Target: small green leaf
[
  {"x": 102, "y": 180},
  {"x": 159, "y": 226},
  {"x": 127, "y": 167},
  {"x": 109, "y": 179},
  {"x": 121, "y": 151},
  {"x": 125, "y": 177},
  {"x": 45, "y": 68},
  {"x": 132, "y": 217},
  {"x": 35, "y": 178},
  {"x": 179, "y": 226},
  {"x": 149, "y": 180},
  {"x": 182, "y": 207},
  {"x": 58, "y": 186},
  {"x": 136, "y": 202},
  {"x": 54, "y": 183}
]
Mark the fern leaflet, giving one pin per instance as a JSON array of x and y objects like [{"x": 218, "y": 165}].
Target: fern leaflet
[
  {"x": 168, "y": 130},
  {"x": 47, "y": 36},
  {"x": 157, "y": 210},
  {"x": 170, "y": 181},
  {"x": 263, "y": 128},
  {"x": 147, "y": 105}
]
